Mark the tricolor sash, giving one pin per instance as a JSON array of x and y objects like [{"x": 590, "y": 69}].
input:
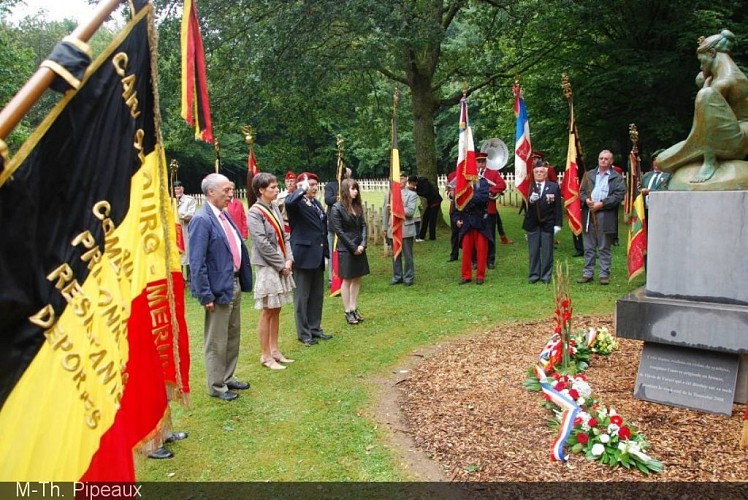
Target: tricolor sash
[{"x": 277, "y": 228}]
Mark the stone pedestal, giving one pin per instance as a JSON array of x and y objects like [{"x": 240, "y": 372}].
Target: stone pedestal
[{"x": 696, "y": 295}]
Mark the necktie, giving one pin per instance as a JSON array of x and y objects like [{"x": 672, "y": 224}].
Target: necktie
[
  {"x": 320, "y": 213},
  {"x": 232, "y": 241}
]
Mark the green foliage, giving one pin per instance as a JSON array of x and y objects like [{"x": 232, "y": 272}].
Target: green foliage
[{"x": 316, "y": 420}]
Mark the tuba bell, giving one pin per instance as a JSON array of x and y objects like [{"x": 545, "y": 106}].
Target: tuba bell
[{"x": 498, "y": 153}]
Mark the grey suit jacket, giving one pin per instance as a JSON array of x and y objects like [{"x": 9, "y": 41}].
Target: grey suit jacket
[
  {"x": 266, "y": 249},
  {"x": 410, "y": 206}
]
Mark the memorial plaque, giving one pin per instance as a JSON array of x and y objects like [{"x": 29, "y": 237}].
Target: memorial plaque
[{"x": 690, "y": 378}]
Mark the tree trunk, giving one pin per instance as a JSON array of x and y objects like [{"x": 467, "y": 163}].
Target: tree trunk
[{"x": 424, "y": 136}]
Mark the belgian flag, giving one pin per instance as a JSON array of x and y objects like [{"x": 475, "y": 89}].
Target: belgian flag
[{"x": 92, "y": 331}]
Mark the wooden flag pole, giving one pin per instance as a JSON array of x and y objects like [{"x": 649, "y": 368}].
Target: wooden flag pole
[{"x": 32, "y": 91}]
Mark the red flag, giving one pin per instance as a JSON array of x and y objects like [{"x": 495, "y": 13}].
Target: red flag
[
  {"x": 467, "y": 168},
  {"x": 252, "y": 168},
  {"x": 570, "y": 183},
  {"x": 195, "y": 102},
  {"x": 522, "y": 145}
]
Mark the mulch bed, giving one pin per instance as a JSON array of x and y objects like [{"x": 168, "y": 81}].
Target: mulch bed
[{"x": 465, "y": 407}]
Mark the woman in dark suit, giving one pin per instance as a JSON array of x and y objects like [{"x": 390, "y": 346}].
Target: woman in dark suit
[
  {"x": 271, "y": 254},
  {"x": 348, "y": 223}
]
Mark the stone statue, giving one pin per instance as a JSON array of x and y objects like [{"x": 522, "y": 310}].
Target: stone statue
[{"x": 711, "y": 158}]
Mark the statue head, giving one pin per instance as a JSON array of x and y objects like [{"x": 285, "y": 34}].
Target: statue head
[{"x": 724, "y": 41}]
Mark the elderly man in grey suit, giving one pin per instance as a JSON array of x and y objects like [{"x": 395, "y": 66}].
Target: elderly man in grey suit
[
  {"x": 403, "y": 270},
  {"x": 601, "y": 192},
  {"x": 220, "y": 273}
]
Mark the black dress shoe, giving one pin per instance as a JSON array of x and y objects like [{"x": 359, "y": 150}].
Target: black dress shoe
[
  {"x": 323, "y": 336},
  {"x": 464, "y": 281},
  {"x": 408, "y": 283},
  {"x": 578, "y": 254},
  {"x": 395, "y": 282},
  {"x": 479, "y": 282},
  {"x": 309, "y": 342},
  {"x": 161, "y": 454},
  {"x": 175, "y": 436},
  {"x": 492, "y": 266},
  {"x": 235, "y": 385},
  {"x": 351, "y": 318},
  {"x": 226, "y": 396}
]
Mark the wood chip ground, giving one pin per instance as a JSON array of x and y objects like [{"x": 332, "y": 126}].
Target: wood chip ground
[{"x": 465, "y": 408}]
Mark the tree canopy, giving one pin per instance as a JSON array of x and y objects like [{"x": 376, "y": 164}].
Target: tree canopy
[{"x": 302, "y": 72}]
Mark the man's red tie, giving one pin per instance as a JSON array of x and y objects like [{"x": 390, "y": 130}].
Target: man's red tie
[{"x": 232, "y": 241}]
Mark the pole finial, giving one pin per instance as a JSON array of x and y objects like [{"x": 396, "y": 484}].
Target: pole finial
[{"x": 566, "y": 86}]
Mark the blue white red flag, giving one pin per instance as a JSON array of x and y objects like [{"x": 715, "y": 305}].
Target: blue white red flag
[
  {"x": 467, "y": 169},
  {"x": 522, "y": 146}
]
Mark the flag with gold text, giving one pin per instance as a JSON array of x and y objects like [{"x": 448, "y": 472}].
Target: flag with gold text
[{"x": 92, "y": 332}]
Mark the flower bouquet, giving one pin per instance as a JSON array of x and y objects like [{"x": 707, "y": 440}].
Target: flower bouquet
[{"x": 584, "y": 424}]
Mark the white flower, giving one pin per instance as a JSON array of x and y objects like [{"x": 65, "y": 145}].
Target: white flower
[
  {"x": 597, "y": 450},
  {"x": 622, "y": 446},
  {"x": 604, "y": 438},
  {"x": 581, "y": 401},
  {"x": 582, "y": 387},
  {"x": 613, "y": 429},
  {"x": 612, "y": 412}
]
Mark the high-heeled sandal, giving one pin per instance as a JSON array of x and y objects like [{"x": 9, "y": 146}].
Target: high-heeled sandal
[
  {"x": 358, "y": 316},
  {"x": 351, "y": 318},
  {"x": 282, "y": 359},
  {"x": 272, "y": 364}
]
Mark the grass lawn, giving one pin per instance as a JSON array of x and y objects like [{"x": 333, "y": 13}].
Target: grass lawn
[{"x": 314, "y": 421}]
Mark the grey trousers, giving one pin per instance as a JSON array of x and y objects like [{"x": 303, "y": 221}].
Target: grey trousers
[
  {"x": 222, "y": 333},
  {"x": 597, "y": 243},
  {"x": 540, "y": 244},
  {"x": 404, "y": 273},
  {"x": 307, "y": 301}
]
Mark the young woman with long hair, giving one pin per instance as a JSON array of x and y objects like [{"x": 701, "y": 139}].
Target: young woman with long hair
[{"x": 348, "y": 223}]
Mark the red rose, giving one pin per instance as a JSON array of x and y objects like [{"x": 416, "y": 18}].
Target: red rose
[
  {"x": 616, "y": 419},
  {"x": 592, "y": 422},
  {"x": 583, "y": 438},
  {"x": 577, "y": 421},
  {"x": 573, "y": 394},
  {"x": 624, "y": 433},
  {"x": 547, "y": 397},
  {"x": 560, "y": 386}
]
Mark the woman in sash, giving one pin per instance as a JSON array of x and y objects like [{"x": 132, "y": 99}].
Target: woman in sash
[{"x": 271, "y": 255}]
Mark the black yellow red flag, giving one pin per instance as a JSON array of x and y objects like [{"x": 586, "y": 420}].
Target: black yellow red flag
[
  {"x": 397, "y": 211},
  {"x": 92, "y": 331}
]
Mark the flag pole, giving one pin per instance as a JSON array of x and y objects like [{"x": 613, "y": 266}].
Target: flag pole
[
  {"x": 249, "y": 138},
  {"x": 336, "y": 282},
  {"x": 31, "y": 92},
  {"x": 217, "y": 146},
  {"x": 634, "y": 177}
]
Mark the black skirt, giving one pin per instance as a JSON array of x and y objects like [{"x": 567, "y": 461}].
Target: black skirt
[{"x": 352, "y": 266}]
